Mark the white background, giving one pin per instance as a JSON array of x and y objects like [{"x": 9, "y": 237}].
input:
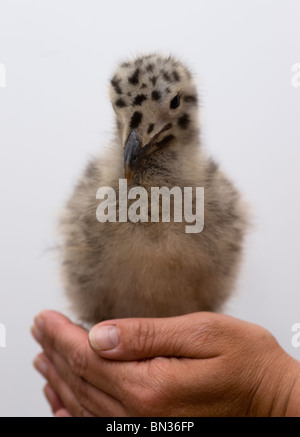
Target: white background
[{"x": 55, "y": 114}]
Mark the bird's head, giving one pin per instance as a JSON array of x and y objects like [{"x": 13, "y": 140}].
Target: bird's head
[{"x": 155, "y": 101}]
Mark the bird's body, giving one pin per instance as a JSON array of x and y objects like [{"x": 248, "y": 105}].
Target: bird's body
[{"x": 145, "y": 269}]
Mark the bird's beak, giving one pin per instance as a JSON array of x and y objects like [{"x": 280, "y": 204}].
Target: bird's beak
[{"x": 133, "y": 155}]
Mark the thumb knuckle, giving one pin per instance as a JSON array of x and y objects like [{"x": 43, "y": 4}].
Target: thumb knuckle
[
  {"x": 78, "y": 361},
  {"x": 143, "y": 336}
]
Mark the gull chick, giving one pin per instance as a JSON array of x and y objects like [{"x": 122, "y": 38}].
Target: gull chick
[{"x": 145, "y": 269}]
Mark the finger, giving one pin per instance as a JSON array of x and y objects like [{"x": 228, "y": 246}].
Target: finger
[
  {"x": 91, "y": 398},
  {"x": 62, "y": 413},
  {"x": 194, "y": 335},
  {"x": 53, "y": 398},
  {"x": 69, "y": 401},
  {"x": 57, "y": 333}
]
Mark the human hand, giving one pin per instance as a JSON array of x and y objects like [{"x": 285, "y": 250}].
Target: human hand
[{"x": 200, "y": 364}]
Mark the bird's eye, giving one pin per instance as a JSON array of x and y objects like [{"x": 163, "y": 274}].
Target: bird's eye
[{"x": 175, "y": 102}]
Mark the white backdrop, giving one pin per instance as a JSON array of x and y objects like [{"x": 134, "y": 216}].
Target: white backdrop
[{"x": 55, "y": 113}]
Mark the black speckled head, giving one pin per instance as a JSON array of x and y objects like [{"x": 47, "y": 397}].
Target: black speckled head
[{"x": 156, "y": 97}]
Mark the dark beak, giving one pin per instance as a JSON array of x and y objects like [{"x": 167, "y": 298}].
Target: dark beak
[{"x": 133, "y": 155}]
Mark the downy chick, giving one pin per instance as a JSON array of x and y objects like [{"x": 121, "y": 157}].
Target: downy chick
[{"x": 152, "y": 269}]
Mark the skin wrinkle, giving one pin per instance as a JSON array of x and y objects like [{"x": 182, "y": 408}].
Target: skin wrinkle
[
  {"x": 279, "y": 393},
  {"x": 289, "y": 395}
]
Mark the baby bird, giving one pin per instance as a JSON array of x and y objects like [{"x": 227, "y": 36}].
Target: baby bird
[{"x": 152, "y": 269}]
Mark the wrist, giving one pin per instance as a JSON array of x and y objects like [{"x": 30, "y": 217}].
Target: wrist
[
  {"x": 277, "y": 392},
  {"x": 293, "y": 399},
  {"x": 285, "y": 388}
]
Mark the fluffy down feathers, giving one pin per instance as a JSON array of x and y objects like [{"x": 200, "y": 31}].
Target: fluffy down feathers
[{"x": 114, "y": 270}]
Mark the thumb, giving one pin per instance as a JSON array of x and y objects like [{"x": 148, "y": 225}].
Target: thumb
[{"x": 193, "y": 336}]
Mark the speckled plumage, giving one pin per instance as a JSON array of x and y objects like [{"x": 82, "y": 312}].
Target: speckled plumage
[{"x": 114, "y": 270}]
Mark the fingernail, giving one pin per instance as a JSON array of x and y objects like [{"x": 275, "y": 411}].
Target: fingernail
[
  {"x": 104, "y": 338},
  {"x": 36, "y": 333},
  {"x": 40, "y": 365},
  {"x": 39, "y": 322}
]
